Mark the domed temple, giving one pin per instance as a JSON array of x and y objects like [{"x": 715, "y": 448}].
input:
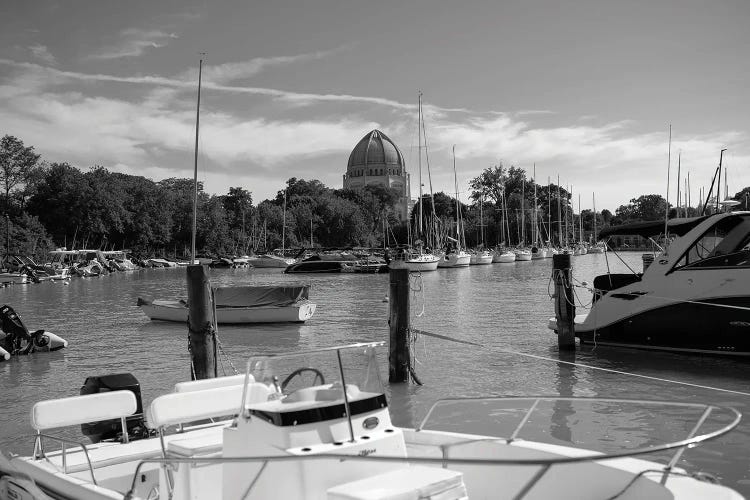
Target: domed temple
[{"x": 376, "y": 160}]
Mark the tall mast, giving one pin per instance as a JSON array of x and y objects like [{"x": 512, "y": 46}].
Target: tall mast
[
  {"x": 523, "y": 208},
  {"x": 534, "y": 229},
  {"x": 283, "y": 228},
  {"x": 679, "y": 158},
  {"x": 419, "y": 133},
  {"x": 195, "y": 169},
  {"x": 580, "y": 220},
  {"x": 593, "y": 201},
  {"x": 559, "y": 214},
  {"x": 458, "y": 205},
  {"x": 666, "y": 210}
]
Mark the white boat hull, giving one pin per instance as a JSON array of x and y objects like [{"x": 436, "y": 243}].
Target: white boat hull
[
  {"x": 174, "y": 310},
  {"x": 523, "y": 256},
  {"x": 461, "y": 259},
  {"x": 422, "y": 263},
  {"x": 481, "y": 259},
  {"x": 504, "y": 257},
  {"x": 271, "y": 261}
]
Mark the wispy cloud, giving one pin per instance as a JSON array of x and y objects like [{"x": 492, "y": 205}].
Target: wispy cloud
[
  {"x": 42, "y": 52},
  {"x": 229, "y": 72},
  {"x": 133, "y": 42}
]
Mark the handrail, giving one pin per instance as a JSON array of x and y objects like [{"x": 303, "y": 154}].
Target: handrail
[
  {"x": 679, "y": 445},
  {"x": 38, "y": 440}
]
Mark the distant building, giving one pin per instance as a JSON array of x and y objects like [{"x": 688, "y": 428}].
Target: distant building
[{"x": 376, "y": 160}]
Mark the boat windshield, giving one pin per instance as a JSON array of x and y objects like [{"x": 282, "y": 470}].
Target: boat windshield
[
  {"x": 354, "y": 366},
  {"x": 726, "y": 244}
]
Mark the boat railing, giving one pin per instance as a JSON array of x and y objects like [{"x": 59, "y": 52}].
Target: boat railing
[
  {"x": 692, "y": 439},
  {"x": 40, "y": 453}
]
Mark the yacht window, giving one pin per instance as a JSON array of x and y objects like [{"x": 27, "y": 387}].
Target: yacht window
[{"x": 726, "y": 244}]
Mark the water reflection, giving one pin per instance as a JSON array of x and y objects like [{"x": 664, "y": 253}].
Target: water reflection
[{"x": 563, "y": 410}]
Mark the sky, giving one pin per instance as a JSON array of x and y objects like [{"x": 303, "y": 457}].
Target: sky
[{"x": 585, "y": 90}]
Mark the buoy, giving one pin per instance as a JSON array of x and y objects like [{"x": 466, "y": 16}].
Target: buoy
[{"x": 385, "y": 299}]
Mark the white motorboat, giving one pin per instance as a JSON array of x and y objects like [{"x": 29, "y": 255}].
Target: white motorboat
[
  {"x": 505, "y": 256},
  {"x": 694, "y": 297},
  {"x": 269, "y": 260},
  {"x": 316, "y": 425},
  {"x": 242, "y": 304},
  {"x": 480, "y": 258}
]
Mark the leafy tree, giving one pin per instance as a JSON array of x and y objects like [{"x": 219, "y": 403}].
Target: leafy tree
[{"x": 16, "y": 163}]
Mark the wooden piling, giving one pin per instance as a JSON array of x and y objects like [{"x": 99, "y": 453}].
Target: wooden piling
[
  {"x": 565, "y": 309},
  {"x": 398, "y": 320},
  {"x": 201, "y": 334}
]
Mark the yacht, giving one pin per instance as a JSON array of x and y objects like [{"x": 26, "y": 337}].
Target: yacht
[
  {"x": 316, "y": 425},
  {"x": 694, "y": 297}
]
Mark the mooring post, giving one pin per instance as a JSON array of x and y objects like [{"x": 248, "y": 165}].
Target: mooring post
[
  {"x": 398, "y": 320},
  {"x": 565, "y": 309},
  {"x": 201, "y": 334}
]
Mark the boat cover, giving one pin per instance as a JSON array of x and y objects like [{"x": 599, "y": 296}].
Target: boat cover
[
  {"x": 260, "y": 296},
  {"x": 653, "y": 228}
]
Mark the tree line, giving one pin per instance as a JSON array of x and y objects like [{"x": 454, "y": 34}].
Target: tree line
[{"x": 51, "y": 205}]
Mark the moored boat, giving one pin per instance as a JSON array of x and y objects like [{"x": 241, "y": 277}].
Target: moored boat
[
  {"x": 414, "y": 261},
  {"x": 694, "y": 297},
  {"x": 19, "y": 341},
  {"x": 480, "y": 258},
  {"x": 316, "y": 425},
  {"x": 242, "y": 305},
  {"x": 270, "y": 260}
]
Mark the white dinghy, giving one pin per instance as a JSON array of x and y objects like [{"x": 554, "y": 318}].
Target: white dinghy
[
  {"x": 242, "y": 305},
  {"x": 315, "y": 425}
]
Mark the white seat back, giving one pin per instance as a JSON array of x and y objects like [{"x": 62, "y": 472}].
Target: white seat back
[
  {"x": 211, "y": 383},
  {"x": 184, "y": 407},
  {"x": 78, "y": 410}
]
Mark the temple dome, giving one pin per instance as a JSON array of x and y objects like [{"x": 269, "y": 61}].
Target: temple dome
[{"x": 376, "y": 150}]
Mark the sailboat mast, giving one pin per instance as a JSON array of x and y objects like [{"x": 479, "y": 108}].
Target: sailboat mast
[
  {"x": 593, "y": 201},
  {"x": 559, "y": 215},
  {"x": 419, "y": 134},
  {"x": 458, "y": 205},
  {"x": 283, "y": 228},
  {"x": 195, "y": 167},
  {"x": 580, "y": 220},
  {"x": 534, "y": 229},
  {"x": 523, "y": 221}
]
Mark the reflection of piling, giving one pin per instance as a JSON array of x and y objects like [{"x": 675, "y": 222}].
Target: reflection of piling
[
  {"x": 565, "y": 309},
  {"x": 201, "y": 334},
  {"x": 398, "y": 320}
]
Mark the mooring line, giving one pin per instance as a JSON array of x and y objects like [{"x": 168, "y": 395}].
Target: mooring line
[{"x": 580, "y": 365}]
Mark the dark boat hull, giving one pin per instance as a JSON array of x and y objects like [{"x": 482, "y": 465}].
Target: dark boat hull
[{"x": 718, "y": 326}]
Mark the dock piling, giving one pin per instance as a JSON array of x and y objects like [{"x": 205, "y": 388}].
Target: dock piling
[
  {"x": 201, "y": 334},
  {"x": 565, "y": 309},
  {"x": 398, "y": 320}
]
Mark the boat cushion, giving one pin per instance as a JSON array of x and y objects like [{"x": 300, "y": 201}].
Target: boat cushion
[
  {"x": 78, "y": 410},
  {"x": 211, "y": 383},
  {"x": 183, "y": 407},
  {"x": 410, "y": 483}
]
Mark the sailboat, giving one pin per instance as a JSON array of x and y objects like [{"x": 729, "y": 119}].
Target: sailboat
[
  {"x": 522, "y": 253},
  {"x": 233, "y": 304},
  {"x": 454, "y": 255},
  {"x": 537, "y": 251},
  {"x": 504, "y": 255},
  {"x": 481, "y": 256},
  {"x": 416, "y": 259}
]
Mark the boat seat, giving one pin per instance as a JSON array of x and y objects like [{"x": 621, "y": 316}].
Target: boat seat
[
  {"x": 76, "y": 410},
  {"x": 415, "y": 482},
  {"x": 183, "y": 407},
  {"x": 211, "y": 383}
]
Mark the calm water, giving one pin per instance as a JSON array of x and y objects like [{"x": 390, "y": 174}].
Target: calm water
[{"x": 504, "y": 307}]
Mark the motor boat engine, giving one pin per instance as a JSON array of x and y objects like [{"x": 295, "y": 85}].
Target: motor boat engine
[{"x": 112, "y": 429}]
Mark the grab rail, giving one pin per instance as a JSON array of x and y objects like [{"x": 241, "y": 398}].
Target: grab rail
[
  {"x": 680, "y": 445},
  {"x": 39, "y": 444}
]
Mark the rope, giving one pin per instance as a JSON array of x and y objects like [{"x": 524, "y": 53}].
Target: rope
[
  {"x": 223, "y": 353},
  {"x": 590, "y": 367}
]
